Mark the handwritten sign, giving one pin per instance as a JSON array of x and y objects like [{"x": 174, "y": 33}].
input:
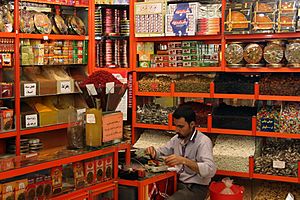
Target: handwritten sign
[
  {"x": 91, "y": 89},
  {"x": 278, "y": 164},
  {"x": 31, "y": 121},
  {"x": 29, "y": 89},
  {"x": 267, "y": 124},
  {"x": 65, "y": 87},
  {"x": 90, "y": 119},
  {"x": 110, "y": 87},
  {"x": 112, "y": 126}
]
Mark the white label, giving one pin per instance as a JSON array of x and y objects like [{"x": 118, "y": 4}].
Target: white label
[
  {"x": 30, "y": 89},
  {"x": 45, "y": 37},
  {"x": 90, "y": 119},
  {"x": 91, "y": 89},
  {"x": 31, "y": 121},
  {"x": 22, "y": 186},
  {"x": 65, "y": 87},
  {"x": 80, "y": 112},
  {"x": 110, "y": 87},
  {"x": 278, "y": 164},
  {"x": 290, "y": 197}
]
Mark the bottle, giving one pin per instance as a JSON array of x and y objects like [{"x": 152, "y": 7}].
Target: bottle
[{"x": 94, "y": 126}]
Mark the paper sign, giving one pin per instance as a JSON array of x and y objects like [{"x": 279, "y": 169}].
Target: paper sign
[
  {"x": 278, "y": 164},
  {"x": 110, "y": 87},
  {"x": 267, "y": 125},
  {"x": 290, "y": 197},
  {"x": 31, "y": 121},
  {"x": 112, "y": 126},
  {"x": 90, "y": 119},
  {"x": 80, "y": 112},
  {"x": 29, "y": 89},
  {"x": 45, "y": 37},
  {"x": 91, "y": 89},
  {"x": 65, "y": 87}
]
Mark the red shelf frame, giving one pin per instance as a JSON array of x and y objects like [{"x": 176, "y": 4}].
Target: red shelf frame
[
  {"x": 179, "y": 69},
  {"x": 7, "y": 35},
  {"x": 8, "y": 134},
  {"x": 180, "y": 38},
  {"x": 44, "y": 129},
  {"x": 52, "y": 37},
  {"x": 276, "y": 178},
  {"x": 261, "y": 36},
  {"x": 54, "y": 163},
  {"x": 230, "y": 173},
  {"x": 263, "y": 69}
]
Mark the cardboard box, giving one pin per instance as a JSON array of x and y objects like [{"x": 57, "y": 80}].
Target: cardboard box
[
  {"x": 7, "y": 119},
  {"x": 78, "y": 171},
  {"x": 180, "y": 27},
  {"x": 20, "y": 189},
  {"x": 99, "y": 169},
  {"x": 8, "y": 190},
  {"x": 6, "y": 90},
  {"x": 7, "y": 162},
  {"x": 89, "y": 172},
  {"x": 108, "y": 168},
  {"x": 56, "y": 175}
]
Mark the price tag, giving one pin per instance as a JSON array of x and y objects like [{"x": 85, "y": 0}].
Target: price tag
[
  {"x": 45, "y": 37},
  {"x": 65, "y": 87},
  {"x": 90, "y": 119},
  {"x": 290, "y": 197},
  {"x": 80, "y": 113},
  {"x": 110, "y": 87},
  {"x": 31, "y": 121},
  {"x": 91, "y": 89},
  {"x": 29, "y": 89},
  {"x": 278, "y": 164}
]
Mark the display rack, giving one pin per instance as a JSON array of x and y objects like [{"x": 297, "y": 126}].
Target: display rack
[{"x": 222, "y": 39}]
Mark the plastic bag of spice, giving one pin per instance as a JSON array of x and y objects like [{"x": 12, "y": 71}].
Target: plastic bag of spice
[{"x": 228, "y": 183}]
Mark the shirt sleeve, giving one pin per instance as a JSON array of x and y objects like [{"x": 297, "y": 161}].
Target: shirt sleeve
[
  {"x": 205, "y": 162},
  {"x": 167, "y": 149}
]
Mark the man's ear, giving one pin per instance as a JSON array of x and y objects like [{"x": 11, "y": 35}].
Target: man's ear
[{"x": 192, "y": 124}]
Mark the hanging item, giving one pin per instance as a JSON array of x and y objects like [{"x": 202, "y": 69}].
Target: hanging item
[
  {"x": 42, "y": 23},
  {"x": 26, "y": 22},
  {"x": 60, "y": 24},
  {"x": 77, "y": 25}
]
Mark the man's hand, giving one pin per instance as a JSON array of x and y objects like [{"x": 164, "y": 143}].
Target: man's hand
[
  {"x": 173, "y": 160},
  {"x": 151, "y": 151}
]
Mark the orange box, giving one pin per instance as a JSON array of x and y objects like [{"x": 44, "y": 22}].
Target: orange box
[
  {"x": 89, "y": 172},
  {"x": 56, "y": 175},
  {"x": 8, "y": 190},
  {"x": 78, "y": 171},
  {"x": 99, "y": 163},
  {"x": 20, "y": 189},
  {"x": 108, "y": 168},
  {"x": 7, "y": 119}
]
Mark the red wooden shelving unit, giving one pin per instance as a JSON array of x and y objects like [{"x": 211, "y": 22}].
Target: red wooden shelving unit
[
  {"x": 8, "y": 134},
  {"x": 43, "y": 129}
]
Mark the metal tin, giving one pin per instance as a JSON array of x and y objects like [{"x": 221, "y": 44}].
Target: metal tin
[
  {"x": 235, "y": 65},
  {"x": 254, "y": 65}
]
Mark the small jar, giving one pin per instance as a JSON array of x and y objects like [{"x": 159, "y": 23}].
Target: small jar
[
  {"x": 292, "y": 54},
  {"x": 274, "y": 53}
]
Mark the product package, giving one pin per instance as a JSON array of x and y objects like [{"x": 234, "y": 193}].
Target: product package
[
  {"x": 108, "y": 175},
  {"x": 287, "y": 16},
  {"x": 100, "y": 169},
  {"x": 89, "y": 172},
  {"x": 268, "y": 118},
  {"x": 209, "y": 18},
  {"x": 264, "y": 16},
  {"x": 56, "y": 175},
  {"x": 20, "y": 189},
  {"x": 78, "y": 171}
]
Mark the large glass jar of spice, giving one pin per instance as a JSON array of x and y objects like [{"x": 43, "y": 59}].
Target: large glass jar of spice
[
  {"x": 253, "y": 54},
  {"x": 274, "y": 53},
  {"x": 234, "y": 55},
  {"x": 292, "y": 54}
]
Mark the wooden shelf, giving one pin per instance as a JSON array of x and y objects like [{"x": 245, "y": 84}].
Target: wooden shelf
[
  {"x": 54, "y": 163},
  {"x": 178, "y": 38},
  {"x": 52, "y": 37},
  {"x": 264, "y": 69},
  {"x": 8, "y": 134},
  {"x": 54, "y": 3},
  {"x": 262, "y": 36},
  {"x": 276, "y": 178},
  {"x": 44, "y": 129},
  {"x": 179, "y": 69},
  {"x": 7, "y": 35}
]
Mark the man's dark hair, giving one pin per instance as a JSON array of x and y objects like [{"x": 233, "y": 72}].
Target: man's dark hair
[{"x": 186, "y": 112}]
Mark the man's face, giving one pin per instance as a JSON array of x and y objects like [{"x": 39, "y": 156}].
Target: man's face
[{"x": 183, "y": 129}]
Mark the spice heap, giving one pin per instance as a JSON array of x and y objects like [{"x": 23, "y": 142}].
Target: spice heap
[
  {"x": 155, "y": 84},
  {"x": 278, "y": 157},
  {"x": 153, "y": 138},
  {"x": 153, "y": 114},
  {"x": 277, "y": 191},
  {"x": 268, "y": 119},
  {"x": 280, "y": 84},
  {"x": 290, "y": 119},
  {"x": 232, "y": 153},
  {"x": 193, "y": 83}
]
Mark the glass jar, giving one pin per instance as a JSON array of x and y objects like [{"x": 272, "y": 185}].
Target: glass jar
[
  {"x": 253, "y": 54},
  {"x": 234, "y": 55},
  {"x": 292, "y": 54},
  {"x": 274, "y": 53}
]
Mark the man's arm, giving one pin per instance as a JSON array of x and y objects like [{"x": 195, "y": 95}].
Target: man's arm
[{"x": 165, "y": 150}]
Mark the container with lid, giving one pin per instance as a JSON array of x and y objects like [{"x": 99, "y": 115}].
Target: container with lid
[
  {"x": 292, "y": 54},
  {"x": 253, "y": 54},
  {"x": 274, "y": 53},
  {"x": 234, "y": 55}
]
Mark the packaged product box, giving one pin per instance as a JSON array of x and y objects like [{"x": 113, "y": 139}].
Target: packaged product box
[
  {"x": 181, "y": 25},
  {"x": 190, "y": 64},
  {"x": 140, "y": 48},
  {"x": 7, "y": 162},
  {"x": 191, "y": 57},
  {"x": 6, "y": 90},
  {"x": 160, "y": 64},
  {"x": 20, "y": 189},
  {"x": 6, "y": 59},
  {"x": 47, "y": 187},
  {"x": 29, "y": 116},
  {"x": 99, "y": 163},
  {"x": 39, "y": 182},
  {"x": 264, "y": 16},
  {"x": 144, "y": 64},
  {"x": 78, "y": 171},
  {"x": 173, "y": 58},
  {"x": 176, "y": 64},
  {"x": 175, "y": 51},
  {"x": 159, "y": 58},
  {"x": 38, "y": 52},
  {"x": 238, "y": 17},
  {"x": 31, "y": 189},
  {"x": 89, "y": 172},
  {"x": 190, "y": 51},
  {"x": 174, "y": 45},
  {"x": 286, "y": 22},
  {"x": 8, "y": 190},
  {"x": 189, "y": 44},
  {"x": 7, "y": 120},
  {"x": 108, "y": 168},
  {"x": 56, "y": 175},
  {"x": 27, "y": 57}
]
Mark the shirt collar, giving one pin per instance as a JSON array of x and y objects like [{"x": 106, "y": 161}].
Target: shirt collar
[{"x": 191, "y": 139}]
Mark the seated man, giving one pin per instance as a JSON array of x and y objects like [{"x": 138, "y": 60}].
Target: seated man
[{"x": 191, "y": 152}]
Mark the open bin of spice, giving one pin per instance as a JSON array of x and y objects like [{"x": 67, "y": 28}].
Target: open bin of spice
[
  {"x": 63, "y": 111},
  {"x": 155, "y": 84},
  {"x": 29, "y": 116},
  {"x": 47, "y": 115},
  {"x": 28, "y": 88},
  {"x": 194, "y": 83}
]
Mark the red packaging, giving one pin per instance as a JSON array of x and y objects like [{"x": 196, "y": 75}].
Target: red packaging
[
  {"x": 56, "y": 175},
  {"x": 31, "y": 189},
  {"x": 39, "y": 182},
  {"x": 7, "y": 163},
  {"x": 20, "y": 189},
  {"x": 89, "y": 172},
  {"x": 78, "y": 171},
  {"x": 7, "y": 119},
  {"x": 47, "y": 187},
  {"x": 99, "y": 163},
  {"x": 8, "y": 190},
  {"x": 6, "y": 89},
  {"x": 108, "y": 168}
]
